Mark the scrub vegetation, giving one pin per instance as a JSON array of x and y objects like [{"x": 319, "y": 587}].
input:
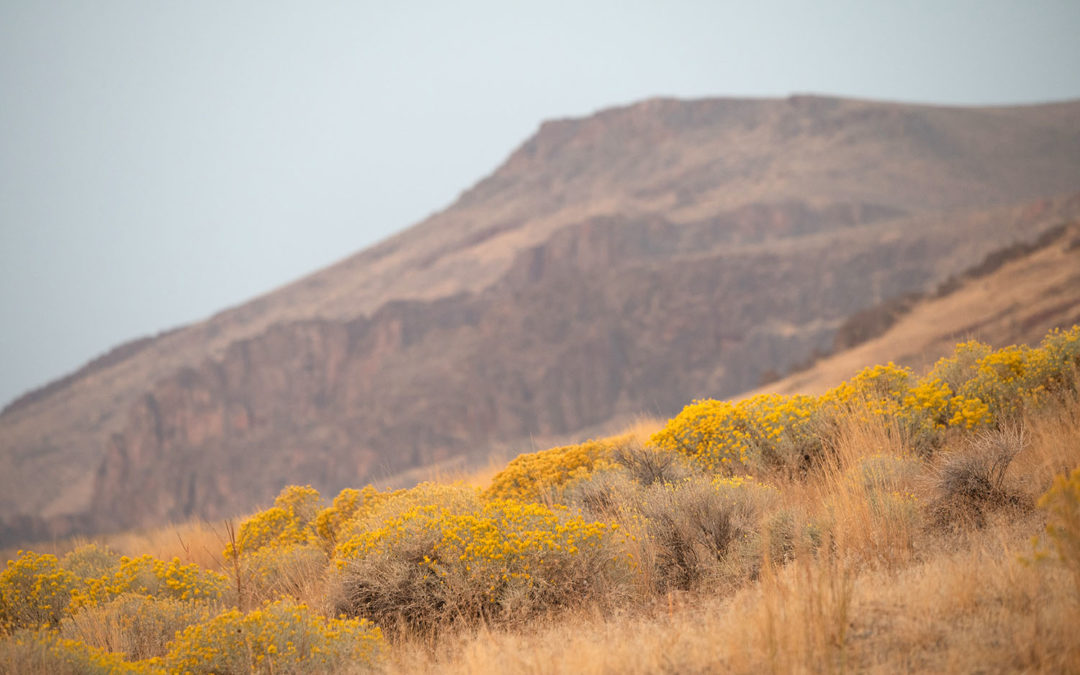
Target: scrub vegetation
[{"x": 897, "y": 522}]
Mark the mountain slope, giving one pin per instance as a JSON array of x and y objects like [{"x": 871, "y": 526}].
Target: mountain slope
[
  {"x": 1018, "y": 303},
  {"x": 623, "y": 262}
]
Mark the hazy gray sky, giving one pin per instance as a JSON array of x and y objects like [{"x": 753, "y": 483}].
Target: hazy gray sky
[{"x": 160, "y": 161}]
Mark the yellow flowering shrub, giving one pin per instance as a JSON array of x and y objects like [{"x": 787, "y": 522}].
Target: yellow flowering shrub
[
  {"x": 722, "y": 436},
  {"x": 90, "y": 561},
  {"x": 46, "y": 651},
  {"x": 528, "y": 476},
  {"x": 962, "y": 365},
  {"x": 331, "y": 520},
  {"x": 974, "y": 388},
  {"x": 1006, "y": 380},
  {"x": 289, "y": 521},
  {"x": 34, "y": 591},
  {"x": 919, "y": 409},
  {"x": 1062, "y": 503},
  {"x": 468, "y": 558},
  {"x": 350, "y": 505},
  {"x": 147, "y": 575},
  {"x": 135, "y": 626},
  {"x": 281, "y": 637}
]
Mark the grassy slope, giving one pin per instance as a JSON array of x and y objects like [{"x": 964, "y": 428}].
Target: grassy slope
[
  {"x": 896, "y": 593},
  {"x": 1016, "y": 304},
  {"x": 924, "y": 600}
]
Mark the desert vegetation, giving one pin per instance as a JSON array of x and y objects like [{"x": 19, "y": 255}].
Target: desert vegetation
[{"x": 898, "y": 521}]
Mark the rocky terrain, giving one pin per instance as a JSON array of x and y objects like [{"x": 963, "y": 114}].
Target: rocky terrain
[{"x": 619, "y": 264}]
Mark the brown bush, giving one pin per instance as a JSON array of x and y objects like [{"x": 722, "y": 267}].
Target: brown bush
[{"x": 971, "y": 483}]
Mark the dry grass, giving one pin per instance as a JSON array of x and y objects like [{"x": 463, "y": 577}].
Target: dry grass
[
  {"x": 196, "y": 541},
  {"x": 976, "y": 609},
  {"x": 846, "y": 568},
  {"x": 868, "y": 589}
]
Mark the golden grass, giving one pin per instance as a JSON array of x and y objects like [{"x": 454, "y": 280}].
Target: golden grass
[
  {"x": 196, "y": 541},
  {"x": 870, "y": 583},
  {"x": 975, "y": 609},
  {"x": 888, "y": 593}
]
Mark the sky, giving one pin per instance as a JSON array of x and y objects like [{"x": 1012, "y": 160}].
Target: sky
[{"x": 162, "y": 161}]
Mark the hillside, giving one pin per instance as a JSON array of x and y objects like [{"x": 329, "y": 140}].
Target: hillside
[
  {"x": 622, "y": 263},
  {"x": 1015, "y": 304},
  {"x": 900, "y": 521}
]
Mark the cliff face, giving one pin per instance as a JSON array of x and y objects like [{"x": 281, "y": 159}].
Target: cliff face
[
  {"x": 604, "y": 320},
  {"x": 623, "y": 263}
]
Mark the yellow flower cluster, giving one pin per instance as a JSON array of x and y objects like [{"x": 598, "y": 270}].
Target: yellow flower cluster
[
  {"x": 289, "y": 521},
  {"x": 491, "y": 544},
  {"x": 1007, "y": 380},
  {"x": 296, "y": 521},
  {"x": 920, "y": 409},
  {"x": 279, "y": 637},
  {"x": 722, "y": 435},
  {"x": 471, "y": 556},
  {"x": 974, "y": 387},
  {"x": 149, "y": 576},
  {"x": 34, "y": 591},
  {"x": 528, "y": 476}
]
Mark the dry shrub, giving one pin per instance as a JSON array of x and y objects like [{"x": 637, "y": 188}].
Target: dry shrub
[
  {"x": 970, "y": 483},
  {"x": 699, "y": 529},
  {"x": 603, "y": 495},
  {"x": 685, "y": 533},
  {"x": 137, "y": 626},
  {"x": 648, "y": 465}
]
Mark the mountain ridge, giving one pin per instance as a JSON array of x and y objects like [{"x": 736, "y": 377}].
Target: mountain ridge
[{"x": 609, "y": 201}]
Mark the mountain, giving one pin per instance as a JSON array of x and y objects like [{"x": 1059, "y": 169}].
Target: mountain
[{"x": 621, "y": 263}]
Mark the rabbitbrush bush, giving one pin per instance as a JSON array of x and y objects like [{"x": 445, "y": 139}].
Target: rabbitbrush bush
[
  {"x": 45, "y": 651},
  {"x": 146, "y": 575},
  {"x": 419, "y": 562},
  {"x": 726, "y": 437},
  {"x": 289, "y": 521},
  {"x": 690, "y": 510},
  {"x": 529, "y": 476},
  {"x": 34, "y": 591},
  {"x": 975, "y": 388},
  {"x": 281, "y": 637}
]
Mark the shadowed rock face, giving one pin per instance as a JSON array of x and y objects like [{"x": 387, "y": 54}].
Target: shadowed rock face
[{"x": 624, "y": 263}]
